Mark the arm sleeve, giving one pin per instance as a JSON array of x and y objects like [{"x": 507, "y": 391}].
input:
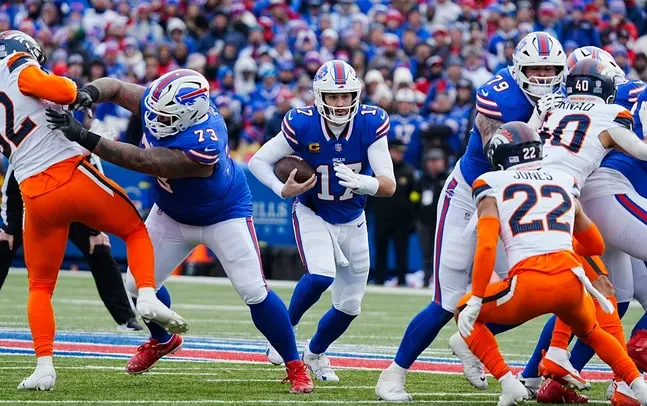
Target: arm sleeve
[
  {"x": 589, "y": 242},
  {"x": 485, "y": 255},
  {"x": 204, "y": 155},
  {"x": 262, "y": 163},
  {"x": 629, "y": 142},
  {"x": 380, "y": 159},
  {"x": 33, "y": 81}
]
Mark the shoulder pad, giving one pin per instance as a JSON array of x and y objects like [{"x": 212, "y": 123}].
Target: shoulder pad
[{"x": 625, "y": 119}]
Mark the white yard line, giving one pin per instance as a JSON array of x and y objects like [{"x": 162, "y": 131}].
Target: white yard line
[{"x": 244, "y": 402}]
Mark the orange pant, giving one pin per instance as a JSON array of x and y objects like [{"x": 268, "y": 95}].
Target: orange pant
[
  {"x": 593, "y": 267},
  {"x": 74, "y": 191},
  {"x": 529, "y": 294}
]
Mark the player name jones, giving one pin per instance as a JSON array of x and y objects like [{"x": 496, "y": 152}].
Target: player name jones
[{"x": 532, "y": 176}]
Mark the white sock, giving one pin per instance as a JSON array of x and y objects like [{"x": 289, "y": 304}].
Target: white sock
[
  {"x": 146, "y": 292},
  {"x": 397, "y": 369},
  {"x": 44, "y": 362}
]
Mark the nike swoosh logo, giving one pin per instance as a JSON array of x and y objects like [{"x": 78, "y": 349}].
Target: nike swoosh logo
[
  {"x": 383, "y": 114},
  {"x": 210, "y": 149},
  {"x": 485, "y": 93},
  {"x": 360, "y": 224},
  {"x": 290, "y": 115}
]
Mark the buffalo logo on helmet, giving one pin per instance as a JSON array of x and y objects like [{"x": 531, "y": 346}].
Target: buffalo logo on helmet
[{"x": 322, "y": 72}]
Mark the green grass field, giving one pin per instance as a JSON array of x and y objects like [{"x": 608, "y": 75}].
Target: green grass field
[{"x": 216, "y": 312}]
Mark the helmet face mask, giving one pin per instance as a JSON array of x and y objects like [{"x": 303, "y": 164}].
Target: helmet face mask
[
  {"x": 28, "y": 43},
  {"x": 538, "y": 49},
  {"x": 337, "y": 78},
  {"x": 175, "y": 102}
]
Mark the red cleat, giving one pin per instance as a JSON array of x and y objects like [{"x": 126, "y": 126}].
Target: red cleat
[
  {"x": 150, "y": 352},
  {"x": 636, "y": 348},
  {"x": 552, "y": 391},
  {"x": 299, "y": 377}
]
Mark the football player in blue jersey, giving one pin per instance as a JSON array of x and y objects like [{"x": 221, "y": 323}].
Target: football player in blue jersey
[
  {"x": 406, "y": 126},
  {"x": 201, "y": 197},
  {"x": 525, "y": 92},
  {"x": 344, "y": 142}
]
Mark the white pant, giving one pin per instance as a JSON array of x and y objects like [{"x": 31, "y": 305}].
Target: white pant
[
  {"x": 639, "y": 269},
  {"x": 622, "y": 221},
  {"x": 233, "y": 241},
  {"x": 454, "y": 252},
  {"x": 338, "y": 251}
]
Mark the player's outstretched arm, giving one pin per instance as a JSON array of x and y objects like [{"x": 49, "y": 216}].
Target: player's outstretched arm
[
  {"x": 487, "y": 238},
  {"x": 156, "y": 161},
  {"x": 127, "y": 95},
  {"x": 33, "y": 81},
  {"x": 487, "y": 127},
  {"x": 624, "y": 139}
]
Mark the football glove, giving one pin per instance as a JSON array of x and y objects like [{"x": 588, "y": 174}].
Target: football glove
[
  {"x": 543, "y": 106},
  {"x": 71, "y": 128},
  {"x": 359, "y": 184},
  {"x": 468, "y": 316},
  {"x": 85, "y": 98}
]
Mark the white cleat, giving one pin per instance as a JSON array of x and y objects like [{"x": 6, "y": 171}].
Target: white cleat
[
  {"x": 639, "y": 388},
  {"x": 472, "y": 366},
  {"x": 43, "y": 378},
  {"x": 151, "y": 309},
  {"x": 622, "y": 394},
  {"x": 532, "y": 385},
  {"x": 319, "y": 364},
  {"x": 513, "y": 392},
  {"x": 390, "y": 387},
  {"x": 272, "y": 355},
  {"x": 556, "y": 365},
  {"x": 610, "y": 389}
]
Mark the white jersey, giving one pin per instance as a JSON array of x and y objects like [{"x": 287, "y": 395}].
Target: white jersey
[
  {"x": 536, "y": 210},
  {"x": 25, "y": 139},
  {"x": 572, "y": 133}
]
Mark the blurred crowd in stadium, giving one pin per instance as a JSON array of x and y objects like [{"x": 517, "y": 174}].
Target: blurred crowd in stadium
[{"x": 421, "y": 60}]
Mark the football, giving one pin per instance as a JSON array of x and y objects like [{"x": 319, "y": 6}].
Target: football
[{"x": 285, "y": 165}]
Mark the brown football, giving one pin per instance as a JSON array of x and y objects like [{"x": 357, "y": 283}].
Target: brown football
[{"x": 285, "y": 165}]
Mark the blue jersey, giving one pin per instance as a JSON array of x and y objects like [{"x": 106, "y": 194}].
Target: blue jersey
[
  {"x": 306, "y": 132},
  {"x": 201, "y": 201},
  {"x": 407, "y": 129},
  {"x": 501, "y": 99},
  {"x": 632, "y": 168}
]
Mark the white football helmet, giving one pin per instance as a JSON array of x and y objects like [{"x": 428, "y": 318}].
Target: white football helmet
[
  {"x": 27, "y": 43},
  {"x": 336, "y": 77},
  {"x": 601, "y": 55},
  {"x": 175, "y": 102},
  {"x": 538, "y": 49}
]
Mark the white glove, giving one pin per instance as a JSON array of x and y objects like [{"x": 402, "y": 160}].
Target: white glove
[
  {"x": 468, "y": 316},
  {"x": 359, "y": 184},
  {"x": 543, "y": 106}
]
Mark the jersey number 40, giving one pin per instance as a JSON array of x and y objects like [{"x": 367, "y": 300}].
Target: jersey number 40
[
  {"x": 551, "y": 221},
  {"x": 580, "y": 124}
]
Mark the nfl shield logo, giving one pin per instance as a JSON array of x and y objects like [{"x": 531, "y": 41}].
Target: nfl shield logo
[{"x": 338, "y": 147}]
